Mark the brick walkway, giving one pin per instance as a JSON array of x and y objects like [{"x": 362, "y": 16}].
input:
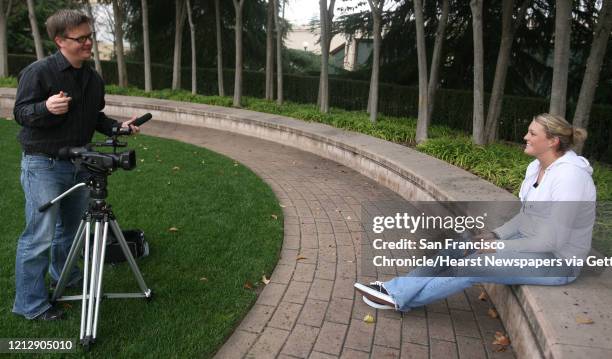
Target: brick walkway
[{"x": 309, "y": 309}]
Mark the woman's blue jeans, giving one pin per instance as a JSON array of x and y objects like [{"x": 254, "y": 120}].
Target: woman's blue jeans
[
  {"x": 426, "y": 285},
  {"x": 43, "y": 179}
]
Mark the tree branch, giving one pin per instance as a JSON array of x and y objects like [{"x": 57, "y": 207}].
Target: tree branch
[
  {"x": 8, "y": 9},
  {"x": 330, "y": 9}
]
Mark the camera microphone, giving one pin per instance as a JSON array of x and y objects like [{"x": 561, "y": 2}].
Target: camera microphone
[
  {"x": 137, "y": 122},
  {"x": 142, "y": 119}
]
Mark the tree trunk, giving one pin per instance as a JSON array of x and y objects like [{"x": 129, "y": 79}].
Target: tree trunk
[
  {"x": 326, "y": 16},
  {"x": 179, "y": 22},
  {"x": 434, "y": 75},
  {"x": 279, "y": 53},
  {"x": 270, "y": 51},
  {"x": 96, "y": 52},
  {"x": 238, "y": 5},
  {"x": 563, "y": 28},
  {"x": 194, "y": 85},
  {"x": 376, "y": 7},
  {"x": 121, "y": 67},
  {"x": 478, "y": 118},
  {"x": 147, "y": 48},
  {"x": 501, "y": 70},
  {"x": 421, "y": 130},
  {"x": 4, "y": 15},
  {"x": 40, "y": 53},
  {"x": 330, "y": 18},
  {"x": 219, "y": 50},
  {"x": 593, "y": 67}
]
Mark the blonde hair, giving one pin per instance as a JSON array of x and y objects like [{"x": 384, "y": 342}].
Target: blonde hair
[{"x": 556, "y": 126}]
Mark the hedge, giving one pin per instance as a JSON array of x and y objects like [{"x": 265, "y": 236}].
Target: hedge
[{"x": 453, "y": 108}]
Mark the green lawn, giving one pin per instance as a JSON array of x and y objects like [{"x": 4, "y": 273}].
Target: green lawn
[{"x": 230, "y": 229}]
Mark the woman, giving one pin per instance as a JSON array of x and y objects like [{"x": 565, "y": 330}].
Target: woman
[{"x": 555, "y": 223}]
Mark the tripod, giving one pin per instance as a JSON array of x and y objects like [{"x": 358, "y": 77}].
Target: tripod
[{"x": 99, "y": 215}]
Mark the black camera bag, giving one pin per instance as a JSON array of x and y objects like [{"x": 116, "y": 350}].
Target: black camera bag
[{"x": 135, "y": 240}]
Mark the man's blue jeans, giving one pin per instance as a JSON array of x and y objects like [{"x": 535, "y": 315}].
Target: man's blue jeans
[
  {"x": 43, "y": 179},
  {"x": 426, "y": 285}
]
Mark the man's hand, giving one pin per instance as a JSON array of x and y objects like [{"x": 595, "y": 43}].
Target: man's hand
[
  {"x": 128, "y": 124},
  {"x": 58, "y": 104}
]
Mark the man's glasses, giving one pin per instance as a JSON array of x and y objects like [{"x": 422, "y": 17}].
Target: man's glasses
[{"x": 81, "y": 39}]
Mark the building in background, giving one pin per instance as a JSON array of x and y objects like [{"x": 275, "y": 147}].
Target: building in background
[
  {"x": 345, "y": 54},
  {"x": 351, "y": 54}
]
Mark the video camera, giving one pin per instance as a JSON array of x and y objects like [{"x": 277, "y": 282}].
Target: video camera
[{"x": 105, "y": 162}]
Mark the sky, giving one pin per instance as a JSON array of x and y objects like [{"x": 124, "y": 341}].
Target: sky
[{"x": 299, "y": 12}]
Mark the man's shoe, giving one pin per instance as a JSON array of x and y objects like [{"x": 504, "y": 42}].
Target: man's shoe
[
  {"x": 376, "y": 293},
  {"x": 52, "y": 313}
]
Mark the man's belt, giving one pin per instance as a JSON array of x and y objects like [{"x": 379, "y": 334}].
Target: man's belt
[{"x": 32, "y": 153}]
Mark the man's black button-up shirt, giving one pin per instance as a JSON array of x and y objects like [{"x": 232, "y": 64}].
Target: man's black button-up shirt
[{"x": 44, "y": 132}]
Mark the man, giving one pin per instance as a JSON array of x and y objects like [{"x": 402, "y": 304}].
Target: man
[{"x": 58, "y": 104}]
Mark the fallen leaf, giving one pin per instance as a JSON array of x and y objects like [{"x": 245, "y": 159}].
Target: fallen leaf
[
  {"x": 142, "y": 160},
  {"x": 160, "y": 161},
  {"x": 368, "y": 318},
  {"x": 66, "y": 305},
  {"x": 248, "y": 285},
  {"x": 264, "y": 279},
  {"x": 501, "y": 349},
  {"x": 300, "y": 257},
  {"x": 483, "y": 296},
  {"x": 235, "y": 164},
  {"x": 274, "y": 216},
  {"x": 204, "y": 279},
  {"x": 282, "y": 205},
  {"x": 176, "y": 168},
  {"x": 501, "y": 339},
  {"x": 581, "y": 319},
  {"x": 492, "y": 313},
  {"x": 173, "y": 229}
]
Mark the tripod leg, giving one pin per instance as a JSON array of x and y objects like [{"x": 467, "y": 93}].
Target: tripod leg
[
  {"x": 93, "y": 285},
  {"x": 128, "y": 255},
  {"x": 99, "y": 280},
  {"x": 85, "y": 280},
  {"x": 69, "y": 264}
]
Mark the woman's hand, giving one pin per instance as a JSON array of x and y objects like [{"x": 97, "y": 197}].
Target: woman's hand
[{"x": 485, "y": 236}]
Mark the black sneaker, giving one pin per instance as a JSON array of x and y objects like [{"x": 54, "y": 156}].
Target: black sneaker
[
  {"x": 375, "y": 295},
  {"x": 52, "y": 313}
]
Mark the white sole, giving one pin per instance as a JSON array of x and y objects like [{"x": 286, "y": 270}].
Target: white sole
[
  {"x": 365, "y": 290},
  {"x": 375, "y": 305}
]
